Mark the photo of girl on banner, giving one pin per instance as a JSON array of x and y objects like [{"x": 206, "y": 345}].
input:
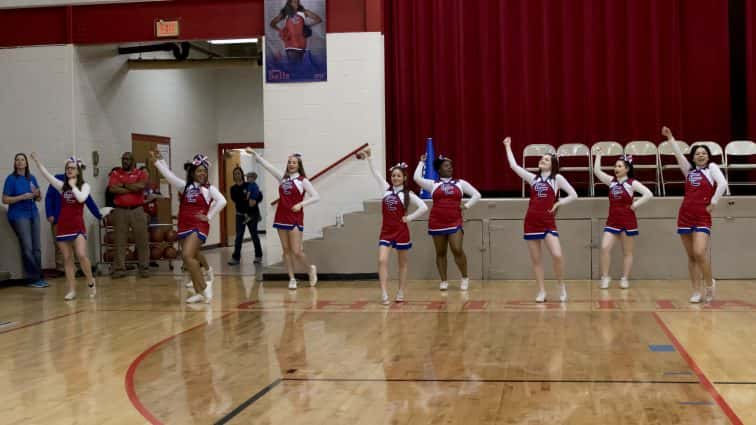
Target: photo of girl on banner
[{"x": 295, "y": 42}]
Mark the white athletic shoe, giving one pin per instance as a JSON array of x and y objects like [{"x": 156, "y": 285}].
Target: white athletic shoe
[
  {"x": 385, "y": 299},
  {"x": 695, "y": 298},
  {"x": 541, "y": 296},
  {"x": 710, "y": 290},
  {"x": 189, "y": 284},
  {"x": 209, "y": 275},
  {"x": 400, "y": 296},
  {"x": 562, "y": 292},
  {"x": 465, "y": 284},
  {"x": 313, "y": 275},
  {"x": 208, "y": 294},
  {"x": 443, "y": 286},
  {"x": 605, "y": 282},
  {"x": 292, "y": 284},
  {"x": 195, "y": 299},
  {"x": 92, "y": 289},
  {"x": 70, "y": 295},
  {"x": 624, "y": 283}
]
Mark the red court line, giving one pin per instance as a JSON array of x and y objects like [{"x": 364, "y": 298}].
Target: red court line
[
  {"x": 708, "y": 386},
  {"x": 129, "y": 379},
  {"x": 40, "y": 322}
]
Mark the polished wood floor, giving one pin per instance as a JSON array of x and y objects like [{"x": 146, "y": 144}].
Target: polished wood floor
[{"x": 260, "y": 354}]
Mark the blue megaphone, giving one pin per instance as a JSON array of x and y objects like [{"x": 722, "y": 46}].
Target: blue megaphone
[{"x": 429, "y": 172}]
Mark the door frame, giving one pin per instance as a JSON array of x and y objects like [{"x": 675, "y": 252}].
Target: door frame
[{"x": 222, "y": 148}]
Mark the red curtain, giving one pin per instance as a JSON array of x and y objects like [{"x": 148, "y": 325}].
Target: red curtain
[{"x": 468, "y": 73}]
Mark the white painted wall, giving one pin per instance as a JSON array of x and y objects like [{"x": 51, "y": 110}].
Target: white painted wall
[
  {"x": 326, "y": 120},
  {"x": 35, "y": 115},
  {"x": 63, "y": 100}
]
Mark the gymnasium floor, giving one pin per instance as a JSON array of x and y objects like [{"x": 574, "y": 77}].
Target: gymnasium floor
[{"x": 260, "y": 354}]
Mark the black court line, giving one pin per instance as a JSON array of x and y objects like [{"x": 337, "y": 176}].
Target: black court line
[
  {"x": 249, "y": 401},
  {"x": 733, "y": 383},
  {"x": 523, "y": 380}
]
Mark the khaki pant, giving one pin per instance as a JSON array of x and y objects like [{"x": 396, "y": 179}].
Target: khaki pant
[{"x": 124, "y": 218}]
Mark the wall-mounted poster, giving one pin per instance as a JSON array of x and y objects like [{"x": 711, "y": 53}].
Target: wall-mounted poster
[{"x": 295, "y": 41}]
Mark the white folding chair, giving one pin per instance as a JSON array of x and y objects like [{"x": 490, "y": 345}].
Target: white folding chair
[
  {"x": 741, "y": 151},
  {"x": 645, "y": 157},
  {"x": 568, "y": 151},
  {"x": 668, "y": 164},
  {"x": 535, "y": 150}
]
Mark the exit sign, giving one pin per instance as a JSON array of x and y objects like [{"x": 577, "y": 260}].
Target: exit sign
[{"x": 164, "y": 28}]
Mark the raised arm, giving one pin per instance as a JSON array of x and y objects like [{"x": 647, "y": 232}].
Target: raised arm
[
  {"x": 382, "y": 183},
  {"x": 523, "y": 173},
  {"x": 470, "y": 191},
  {"x": 563, "y": 184},
  {"x": 219, "y": 202},
  {"x": 265, "y": 164},
  {"x": 420, "y": 209},
  {"x": 309, "y": 189},
  {"x": 314, "y": 18},
  {"x": 57, "y": 184},
  {"x": 605, "y": 178},
  {"x": 165, "y": 170},
  {"x": 719, "y": 178},
  {"x": 645, "y": 193},
  {"x": 424, "y": 183},
  {"x": 681, "y": 160}
]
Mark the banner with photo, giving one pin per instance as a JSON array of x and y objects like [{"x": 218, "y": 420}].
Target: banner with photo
[{"x": 295, "y": 41}]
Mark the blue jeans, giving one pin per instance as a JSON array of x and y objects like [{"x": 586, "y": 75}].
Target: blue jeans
[
  {"x": 27, "y": 231},
  {"x": 252, "y": 225}
]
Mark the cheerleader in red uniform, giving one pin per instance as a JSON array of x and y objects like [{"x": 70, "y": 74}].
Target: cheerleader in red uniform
[
  {"x": 621, "y": 223},
  {"x": 289, "y": 219},
  {"x": 394, "y": 230},
  {"x": 71, "y": 233},
  {"x": 445, "y": 221},
  {"x": 199, "y": 203},
  {"x": 540, "y": 220},
  {"x": 704, "y": 186}
]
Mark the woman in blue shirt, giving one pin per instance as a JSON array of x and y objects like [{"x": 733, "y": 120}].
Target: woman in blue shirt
[{"x": 20, "y": 193}]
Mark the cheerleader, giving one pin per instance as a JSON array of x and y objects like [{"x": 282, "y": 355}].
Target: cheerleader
[
  {"x": 540, "y": 220},
  {"x": 289, "y": 219},
  {"x": 199, "y": 203},
  {"x": 70, "y": 233},
  {"x": 704, "y": 186},
  {"x": 394, "y": 230},
  {"x": 621, "y": 223},
  {"x": 445, "y": 221}
]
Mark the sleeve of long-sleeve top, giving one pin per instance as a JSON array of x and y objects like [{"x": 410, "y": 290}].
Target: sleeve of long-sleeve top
[
  {"x": 93, "y": 208},
  {"x": 645, "y": 192},
  {"x": 382, "y": 184},
  {"x": 173, "y": 179},
  {"x": 57, "y": 184},
  {"x": 523, "y": 173},
  {"x": 310, "y": 189},
  {"x": 605, "y": 178},
  {"x": 682, "y": 161},
  {"x": 719, "y": 178},
  {"x": 424, "y": 183},
  {"x": 420, "y": 207},
  {"x": 564, "y": 185},
  {"x": 270, "y": 168},
  {"x": 52, "y": 202},
  {"x": 219, "y": 202},
  {"x": 82, "y": 194},
  {"x": 470, "y": 191}
]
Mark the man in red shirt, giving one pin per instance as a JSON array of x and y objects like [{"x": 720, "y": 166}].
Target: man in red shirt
[{"x": 127, "y": 184}]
